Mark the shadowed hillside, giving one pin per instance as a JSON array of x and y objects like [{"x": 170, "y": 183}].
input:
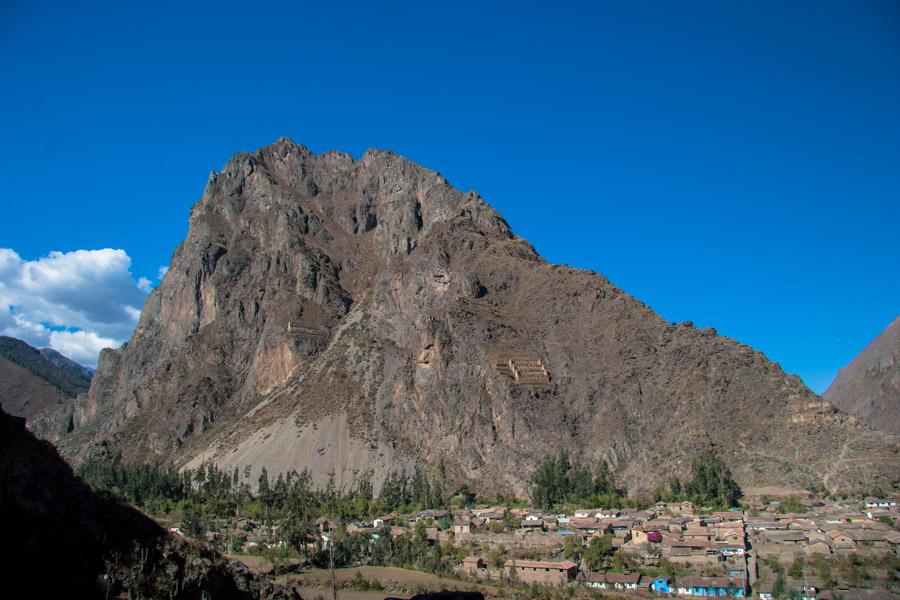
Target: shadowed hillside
[{"x": 61, "y": 540}]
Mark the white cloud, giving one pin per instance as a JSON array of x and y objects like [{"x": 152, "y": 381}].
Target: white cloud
[
  {"x": 81, "y": 346},
  {"x": 76, "y": 302},
  {"x": 162, "y": 272}
]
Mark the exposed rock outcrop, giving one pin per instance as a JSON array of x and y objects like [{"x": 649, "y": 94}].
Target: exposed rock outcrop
[
  {"x": 869, "y": 387},
  {"x": 314, "y": 290}
]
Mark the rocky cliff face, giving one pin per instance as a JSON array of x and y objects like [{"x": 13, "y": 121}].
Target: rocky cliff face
[
  {"x": 350, "y": 314},
  {"x": 869, "y": 387}
]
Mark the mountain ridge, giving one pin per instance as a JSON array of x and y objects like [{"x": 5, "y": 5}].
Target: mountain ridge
[
  {"x": 869, "y": 386},
  {"x": 40, "y": 385},
  {"x": 347, "y": 315}
]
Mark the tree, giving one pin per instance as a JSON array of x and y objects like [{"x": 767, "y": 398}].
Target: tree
[
  {"x": 297, "y": 532},
  {"x": 598, "y": 552},
  {"x": 560, "y": 479},
  {"x": 796, "y": 569},
  {"x": 263, "y": 489},
  {"x": 779, "y": 587},
  {"x": 712, "y": 482},
  {"x": 572, "y": 549},
  {"x": 193, "y": 523},
  {"x": 791, "y": 505}
]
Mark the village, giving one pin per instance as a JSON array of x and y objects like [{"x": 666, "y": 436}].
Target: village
[{"x": 808, "y": 549}]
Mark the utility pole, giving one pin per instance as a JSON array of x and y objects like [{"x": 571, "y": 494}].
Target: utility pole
[{"x": 329, "y": 545}]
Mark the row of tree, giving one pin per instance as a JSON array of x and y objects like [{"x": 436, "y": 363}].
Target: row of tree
[
  {"x": 562, "y": 480},
  {"x": 210, "y": 491}
]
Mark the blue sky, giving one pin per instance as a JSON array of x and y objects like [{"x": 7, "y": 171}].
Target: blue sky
[{"x": 736, "y": 164}]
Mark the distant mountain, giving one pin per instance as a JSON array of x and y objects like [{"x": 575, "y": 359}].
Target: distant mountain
[
  {"x": 40, "y": 385},
  {"x": 68, "y": 364},
  {"x": 350, "y": 315},
  {"x": 62, "y": 540},
  {"x": 869, "y": 387}
]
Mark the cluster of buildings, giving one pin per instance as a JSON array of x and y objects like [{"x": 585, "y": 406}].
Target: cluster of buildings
[
  {"x": 719, "y": 551},
  {"x": 713, "y": 543}
]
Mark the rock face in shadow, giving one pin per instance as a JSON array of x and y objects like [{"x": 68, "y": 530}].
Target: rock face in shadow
[
  {"x": 62, "y": 540},
  {"x": 314, "y": 290},
  {"x": 869, "y": 387}
]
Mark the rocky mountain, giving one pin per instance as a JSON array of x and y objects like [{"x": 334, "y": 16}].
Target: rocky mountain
[
  {"x": 346, "y": 315},
  {"x": 40, "y": 385},
  {"x": 54, "y": 357},
  {"x": 869, "y": 387},
  {"x": 62, "y": 540}
]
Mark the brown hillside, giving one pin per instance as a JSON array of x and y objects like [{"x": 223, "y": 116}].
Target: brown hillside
[
  {"x": 869, "y": 387},
  {"x": 350, "y": 314}
]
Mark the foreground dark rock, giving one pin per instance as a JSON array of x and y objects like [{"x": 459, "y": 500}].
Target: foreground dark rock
[
  {"x": 869, "y": 387},
  {"x": 346, "y": 315},
  {"x": 62, "y": 540}
]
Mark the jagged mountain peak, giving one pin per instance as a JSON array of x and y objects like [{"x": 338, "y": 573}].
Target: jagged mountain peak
[{"x": 351, "y": 314}]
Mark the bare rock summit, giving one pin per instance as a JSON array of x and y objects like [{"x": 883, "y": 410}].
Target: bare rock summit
[{"x": 351, "y": 314}]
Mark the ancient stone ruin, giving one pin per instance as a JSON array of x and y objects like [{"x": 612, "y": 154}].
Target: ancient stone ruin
[{"x": 525, "y": 369}]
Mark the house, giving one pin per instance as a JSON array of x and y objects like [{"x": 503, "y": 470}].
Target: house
[
  {"x": 491, "y": 515},
  {"x": 840, "y": 541},
  {"x": 662, "y": 585},
  {"x": 385, "y": 520},
  {"x": 642, "y": 535},
  {"x": 856, "y": 518},
  {"x": 541, "y": 572},
  {"x": 624, "y": 581},
  {"x": 595, "y": 580},
  {"x": 462, "y": 528},
  {"x": 878, "y": 503},
  {"x": 787, "y": 537},
  {"x": 765, "y": 591},
  {"x": 533, "y": 525},
  {"x": 589, "y": 525},
  {"x": 472, "y": 564},
  {"x": 353, "y": 528},
  {"x": 326, "y": 524},
  {"x": 709, "y": 586},
  {"x": 621, "y": 526},
  {"x": 730, "y": 549},
  {"x": 610, "y": 580},
  {"x": 765, "y": 524},
  {"x": 699, "y": 534},
  {"x": 865, "y": 536}
]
